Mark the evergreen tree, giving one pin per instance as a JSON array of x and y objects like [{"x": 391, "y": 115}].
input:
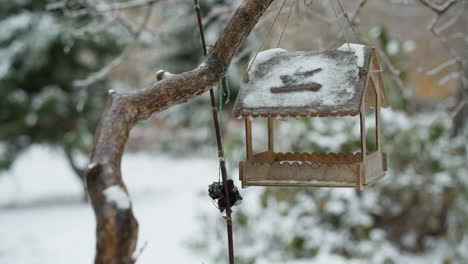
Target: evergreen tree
[{"x": 42, "y": 54}]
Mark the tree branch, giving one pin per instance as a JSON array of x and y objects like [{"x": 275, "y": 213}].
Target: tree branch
[
  {"x": 104, "y": 72},
  {"x": 462, "y": 63},
  {"x": 438, "y": 8},
  {"x": 116, "y": 225}
]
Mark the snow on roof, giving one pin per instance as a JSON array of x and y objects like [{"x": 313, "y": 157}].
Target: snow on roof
[
  {"x": 305, "y": 83},
  {"x": 264, "y": 56},
  {"x": 357, "y": 49}
]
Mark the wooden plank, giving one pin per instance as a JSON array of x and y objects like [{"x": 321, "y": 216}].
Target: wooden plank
[
  {"x": 373, "y": 164},
  {"x": 370, "y": 94},
  {"x": 248, "y": 137},
  {"x": 262, "y": 157},
  {"x": 318, "y": 157},
  {"x": 314, "y": 87},
  {"x": 376, "y": 179},
  {"x": 246, "y": 184},
  {"x": 295, "y": 173},
  {"x": 374, "y": 169},
  {"x": 271, "y": 127}
]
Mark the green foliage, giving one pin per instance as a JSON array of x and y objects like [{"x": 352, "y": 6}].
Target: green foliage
[{"x": 41, "y": 57}]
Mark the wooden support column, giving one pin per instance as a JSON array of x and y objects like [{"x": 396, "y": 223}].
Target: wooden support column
[
  {"x": 362, "y": 117},
  {"x": 377, "y": 113},
  {"x": 248, "y": 137},
  {"x": 270, "y": 134}
]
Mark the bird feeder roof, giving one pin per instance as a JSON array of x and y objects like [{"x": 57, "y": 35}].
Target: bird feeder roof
[{"x": 309, "y": 83}]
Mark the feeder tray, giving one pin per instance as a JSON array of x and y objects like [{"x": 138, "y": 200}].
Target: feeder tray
[{"x": 338, "y": 82}]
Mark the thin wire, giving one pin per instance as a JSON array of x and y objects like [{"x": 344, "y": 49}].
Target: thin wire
[
  {"x": 263, "y": 42},
  {"x": 286, "y": 23},
  {"x": 339, "y": 23},
  {"x": 349, "y": 22}
]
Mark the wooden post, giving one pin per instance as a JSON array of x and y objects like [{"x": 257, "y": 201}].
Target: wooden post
[
  {"x": 248, "y": 137},
  {"x": 377, "y": 113},
  {"x": 362, "y": 116},
  {"x": 376, "y": 79},
  {"x": 270, "y": 134}
]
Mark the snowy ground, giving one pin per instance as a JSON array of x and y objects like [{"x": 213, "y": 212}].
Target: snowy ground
[{"x": 42, "y": 220}]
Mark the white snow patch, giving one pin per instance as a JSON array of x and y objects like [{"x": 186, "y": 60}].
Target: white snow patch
[
  {"x": 167, "y": 75},
  {"x": 358, "y": 50},
  {"x": 409, "y": 46},
  {"x": 264, "y": 56},
  {"x": 334, "y": 78},
  {"x": 115, "y": 194},
  {"x": 375, "y": 32},
  {"x": 393, "y": 47},
  {"x": 162, "y": 206},
  {"x": 14, "y": 23}
]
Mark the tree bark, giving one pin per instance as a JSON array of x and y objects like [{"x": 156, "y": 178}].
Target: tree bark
[{"x": 117, "y": 228}]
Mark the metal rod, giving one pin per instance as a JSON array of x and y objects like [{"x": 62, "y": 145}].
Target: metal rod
[{"x": 220, "y": 146}]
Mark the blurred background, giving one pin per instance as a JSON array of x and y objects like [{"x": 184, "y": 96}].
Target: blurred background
[{"x": 60, "y": 58}]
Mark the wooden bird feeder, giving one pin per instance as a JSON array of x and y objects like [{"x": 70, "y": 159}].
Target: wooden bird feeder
[{"x": 338, "y": 82}]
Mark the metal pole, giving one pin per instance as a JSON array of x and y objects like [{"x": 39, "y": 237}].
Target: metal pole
[{"x": 222, "y": 164}]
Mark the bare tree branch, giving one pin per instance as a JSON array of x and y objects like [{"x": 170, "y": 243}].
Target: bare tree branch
[
  {"x": 79, "y": 171},
  {"x": 393, "y": 70},
  {"x": 439, "y": 8},
  {"x": 102, "y": 73},
  {"x": 461, "y": 108},
  {"x": 116, "y": 225}
]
